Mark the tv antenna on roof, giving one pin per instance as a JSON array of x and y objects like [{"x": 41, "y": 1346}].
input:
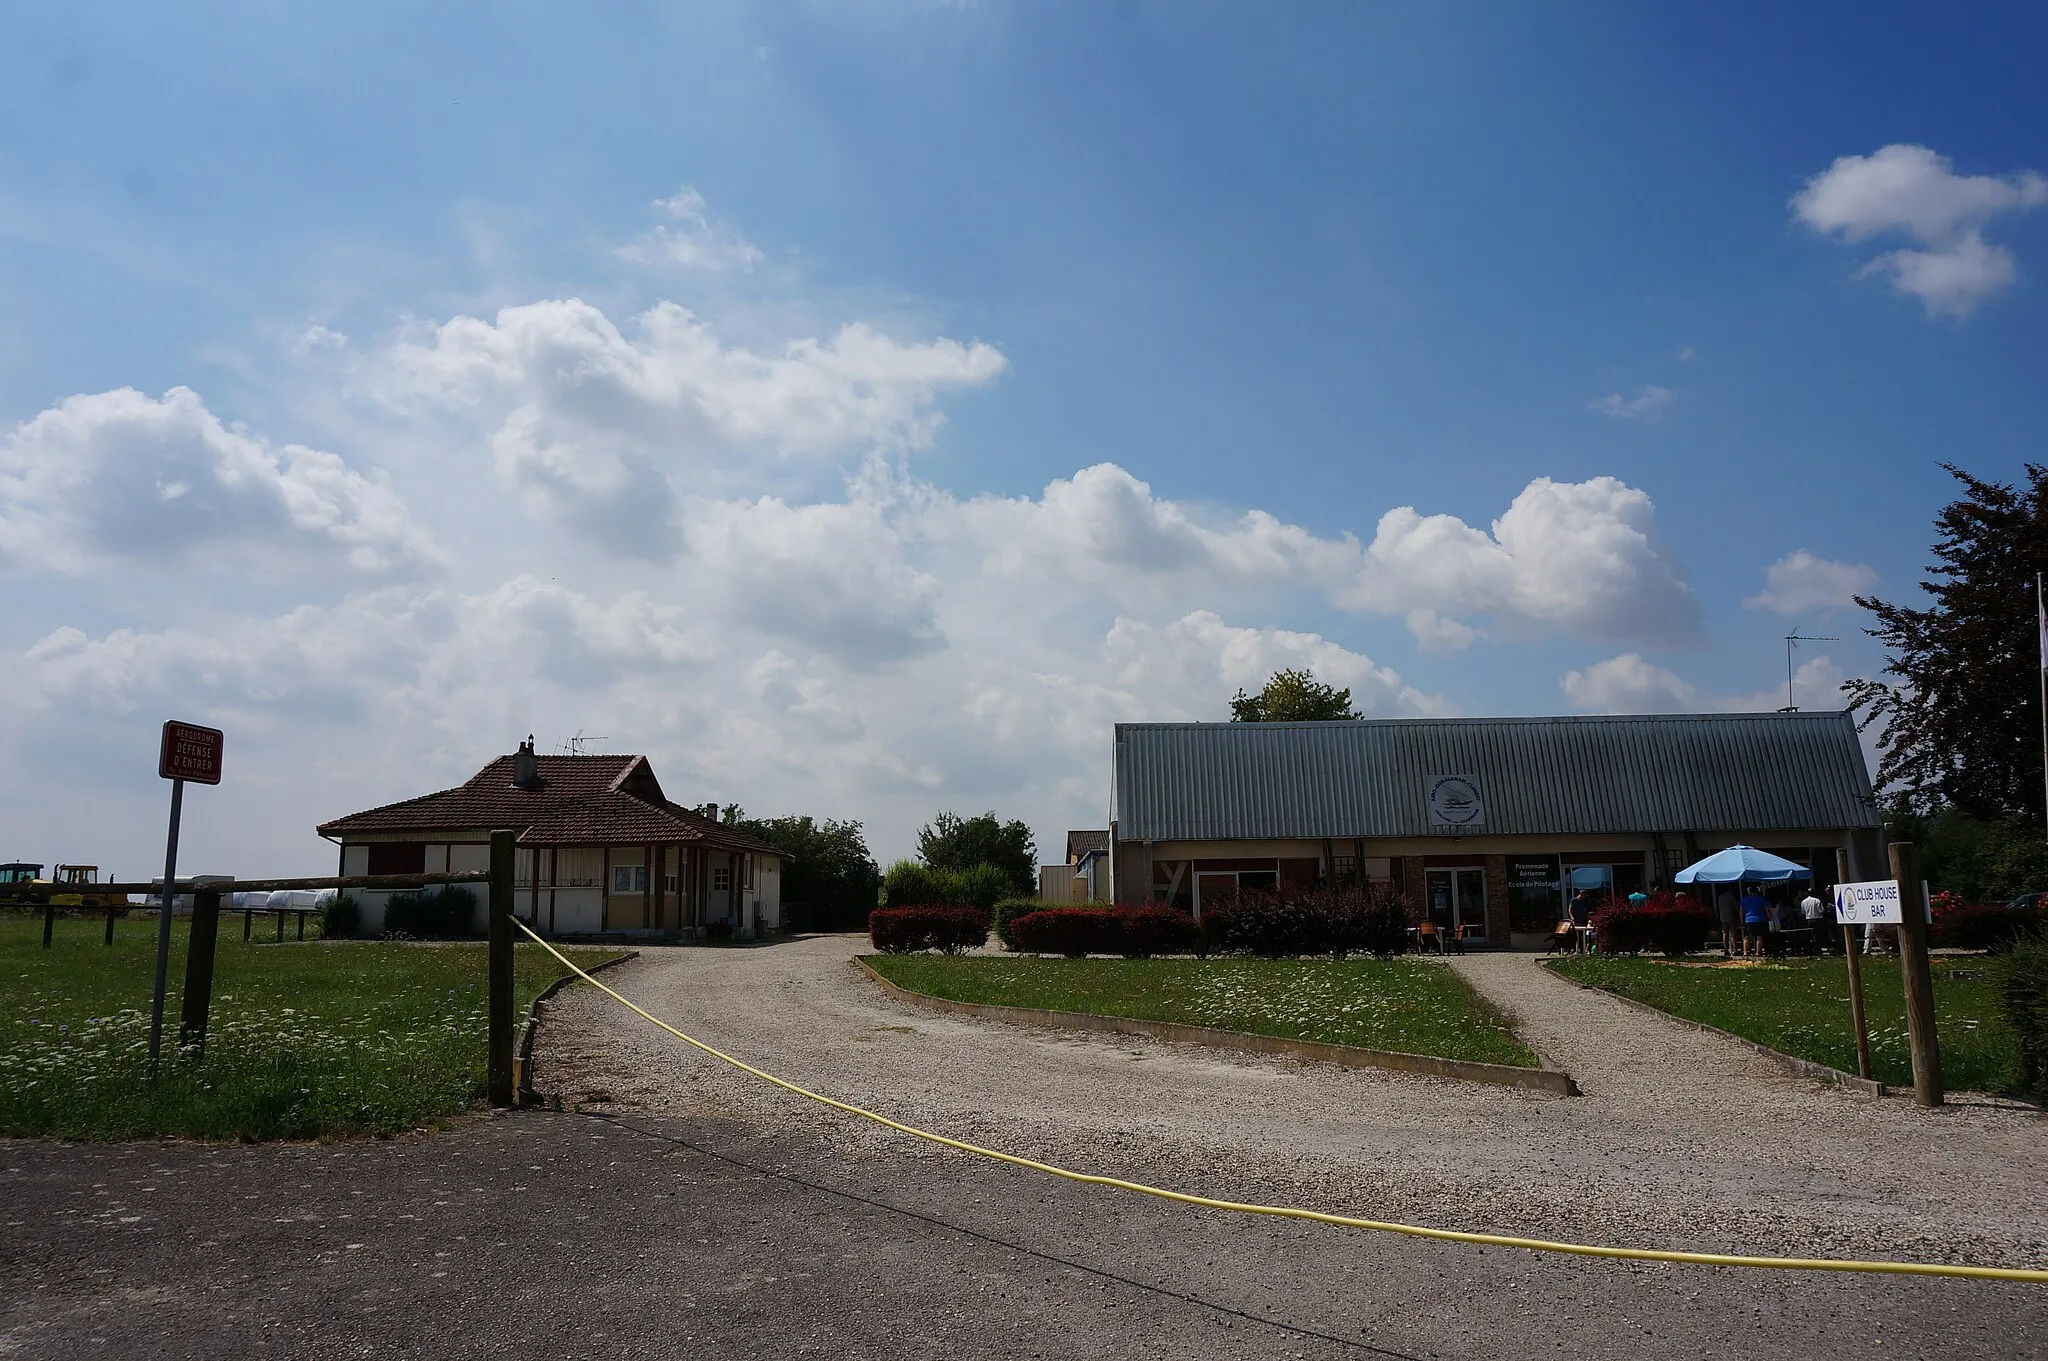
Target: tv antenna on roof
[
  {"x": 1791, "y": 640},
  {"x": 575, "y": 745}
]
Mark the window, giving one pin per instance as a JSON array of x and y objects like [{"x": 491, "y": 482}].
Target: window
[
  {"x": 721, "y": 880},
  {"x": 629, "y": 878},
  {"x": 672, "y": 881},
  {"x": 398, "y": 857}
]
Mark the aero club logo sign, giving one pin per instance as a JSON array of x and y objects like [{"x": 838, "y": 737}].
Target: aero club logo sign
[{"x": 1454, "y": 802}]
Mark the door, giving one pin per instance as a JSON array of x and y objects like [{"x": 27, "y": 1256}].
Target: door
[{"x": 1456, "y": 899}]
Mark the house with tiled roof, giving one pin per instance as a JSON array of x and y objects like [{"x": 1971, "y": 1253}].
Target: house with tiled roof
[{"x": 600, "y": 851}]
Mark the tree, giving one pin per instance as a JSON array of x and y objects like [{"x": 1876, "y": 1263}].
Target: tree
[
  {"x": 1292, "y": 697},
  {"x": 829, "y": 871},
  {"x": 951, "y": 842},
  {"x": 1961, "y": 724}
]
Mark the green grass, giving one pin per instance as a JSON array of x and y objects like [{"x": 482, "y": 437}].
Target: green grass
[
  {"x": 305, "y": 1040},
  {"x": 1801, "y": 1007},
  {"x": 1398, "y": 1004}
]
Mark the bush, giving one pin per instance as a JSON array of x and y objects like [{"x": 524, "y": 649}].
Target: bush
[
  {"x": 907, "y": 882},
  {"x": 1212, "y": 932},
  {"x": 910, "y": 883},
  {"x": 1135, "y": 931},
  {"x": 340, "y": 917},
  {"x": 1069, "y": 931},
  {"x": 1980, "y": 926},
  {"x": 928, "y": 926},
  {"x": 1154, "y": 929},
  {"x": 1006, "y": 914},
  {"x": 1671, "y": 926},
  {"x": 444, "y": 913},
  {"x": 2023, "y": 998},
  {"x": 1371, "y": 920}
]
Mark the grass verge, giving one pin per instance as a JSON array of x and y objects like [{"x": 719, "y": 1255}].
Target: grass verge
[
  {"x": 1801, "y": 1007},
  {"x": 305, "y": 1040},
  {"x": 1398, "y": 1004}
]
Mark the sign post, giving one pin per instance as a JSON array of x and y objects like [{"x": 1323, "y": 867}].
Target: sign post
[
  {"x": 1852, "y": 954},
  {"x": 188, "y": 752},
  {"x": 1919, "y": 980}
]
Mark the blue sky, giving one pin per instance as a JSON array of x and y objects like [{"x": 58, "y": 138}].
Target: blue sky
[{"x": 793, "y": 497}]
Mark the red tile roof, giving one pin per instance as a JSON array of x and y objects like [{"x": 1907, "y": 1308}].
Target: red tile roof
[{"x": 580, "y": 801}]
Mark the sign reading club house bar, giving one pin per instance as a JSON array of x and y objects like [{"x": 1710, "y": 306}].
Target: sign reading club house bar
[{"x": 190, "y": 752}]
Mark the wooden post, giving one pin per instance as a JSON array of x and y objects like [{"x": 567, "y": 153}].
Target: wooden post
[
  {"x": 199, "y": 951},
  {"x": 110, "y": 924},
  {"x": 49, "y": 919},
  {"x": 1852, "y": 954},
  {"x": 248, "y": 917},
  {"x": 501, "y": 1040},
  {"x": 1918, "y": 977}
]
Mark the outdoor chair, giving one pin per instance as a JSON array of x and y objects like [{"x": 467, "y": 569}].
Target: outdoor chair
[
  {"x": 1466, "y": 931},
  {"x": 1427, "y": 937},
  {"x": 1564, "y": 938}
]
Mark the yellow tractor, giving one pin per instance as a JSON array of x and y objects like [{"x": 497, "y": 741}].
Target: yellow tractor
[{"x": 78, "y": 882}]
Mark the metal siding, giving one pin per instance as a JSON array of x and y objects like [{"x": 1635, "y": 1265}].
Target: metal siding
[{"x": 1577, "y": 775}]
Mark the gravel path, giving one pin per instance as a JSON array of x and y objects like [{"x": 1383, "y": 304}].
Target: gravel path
[{"x": 1682, "y": 1139}]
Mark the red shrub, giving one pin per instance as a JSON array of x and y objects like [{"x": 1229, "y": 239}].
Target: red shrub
[
  {"x": 1152, "y": 929},
  {"x": 1980, "y": 926},
  {"x": 902, "y": 930},
  {"x": 1671, "y": 926},
  {"x": 1136, "y": 931},
  {"x": 1069, "y": 931}
]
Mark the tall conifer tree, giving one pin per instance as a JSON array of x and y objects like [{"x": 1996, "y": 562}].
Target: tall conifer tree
[{"x": 1960, "y": 718}]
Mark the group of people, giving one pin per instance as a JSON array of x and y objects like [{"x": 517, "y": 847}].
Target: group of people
[{"x": 1750, "y": 916}]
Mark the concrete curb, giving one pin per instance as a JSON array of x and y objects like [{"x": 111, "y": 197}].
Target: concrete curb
[
  {"x": 1792, "y": 1063},
  {"x": 1546, "y": 1080},
  {"x": 522, "y": 1055}
]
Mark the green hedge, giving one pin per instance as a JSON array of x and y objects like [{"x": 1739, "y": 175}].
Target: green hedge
[{"x": 2023, "y": 996}]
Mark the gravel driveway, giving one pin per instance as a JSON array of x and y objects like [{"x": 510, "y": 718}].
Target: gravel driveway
[{"x": 1682, "y": 1139}]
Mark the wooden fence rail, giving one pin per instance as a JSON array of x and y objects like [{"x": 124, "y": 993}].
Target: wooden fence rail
[{"x": 206, "y": 898}]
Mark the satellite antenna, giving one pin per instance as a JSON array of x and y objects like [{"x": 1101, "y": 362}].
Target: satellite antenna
[
  {"x": 1791, "y": 640},
  {"x": 575, "y": 745}
]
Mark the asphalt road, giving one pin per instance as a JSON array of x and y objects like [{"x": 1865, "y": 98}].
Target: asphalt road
[{"x": 636, "y": 1235}]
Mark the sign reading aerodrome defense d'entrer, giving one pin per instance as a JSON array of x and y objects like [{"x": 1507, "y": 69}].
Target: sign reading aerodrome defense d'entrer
[
  {"x": 1454, "y": 802},
  {"x": 190, "y": 752}
]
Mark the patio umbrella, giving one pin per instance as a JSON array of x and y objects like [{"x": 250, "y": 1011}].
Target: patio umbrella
[{"x": 1740, "y": 864}]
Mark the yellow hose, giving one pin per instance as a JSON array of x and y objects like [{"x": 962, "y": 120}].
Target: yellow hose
[{"x": 1991, "y": 1273}]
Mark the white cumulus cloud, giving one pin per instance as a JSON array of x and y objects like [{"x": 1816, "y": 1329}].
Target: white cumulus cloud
[
  {"x": 1914, "y": 191},
  {"x": 119, "y": 476},
  {"x": 1644, "y": 405},
  {"x": 591, "y": 423},
  {"x": 689, "y": 238},
  {"x": 1584, "y": 557},
  {"x": 1628, "y": 684},
  {"x": 1801, "y": 582}
]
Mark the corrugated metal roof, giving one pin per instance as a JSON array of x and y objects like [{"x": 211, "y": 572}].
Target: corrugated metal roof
[{"x": 1578, "y": 774}]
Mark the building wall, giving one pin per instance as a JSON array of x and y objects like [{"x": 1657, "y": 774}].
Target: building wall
[
  {"x": 574, "y": 890},
  {"x": 1405, "y": 862}
]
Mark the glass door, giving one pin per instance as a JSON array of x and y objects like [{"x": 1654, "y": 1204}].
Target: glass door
[{"x": 1456, "y": 900}]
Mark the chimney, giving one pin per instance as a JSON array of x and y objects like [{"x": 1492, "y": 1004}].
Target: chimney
[
  {"x": 711, "y": 811},
  {"x": 525, "y": 768}
]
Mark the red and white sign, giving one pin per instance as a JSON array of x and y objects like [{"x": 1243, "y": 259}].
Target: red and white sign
[{"x": 190, "y": 752}]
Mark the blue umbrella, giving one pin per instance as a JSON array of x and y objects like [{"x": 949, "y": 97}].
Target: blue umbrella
[{"x": 1740, "y": 863}]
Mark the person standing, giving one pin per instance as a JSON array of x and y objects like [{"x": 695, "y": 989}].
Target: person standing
[
  {"x": 1731, "y": 920},
  {"x": 1756, "y": 920},
  {"x": 1814, "y": 911}
]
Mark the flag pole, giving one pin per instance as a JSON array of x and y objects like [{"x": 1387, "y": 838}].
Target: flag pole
[{"x": 2041, "y": 627}]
